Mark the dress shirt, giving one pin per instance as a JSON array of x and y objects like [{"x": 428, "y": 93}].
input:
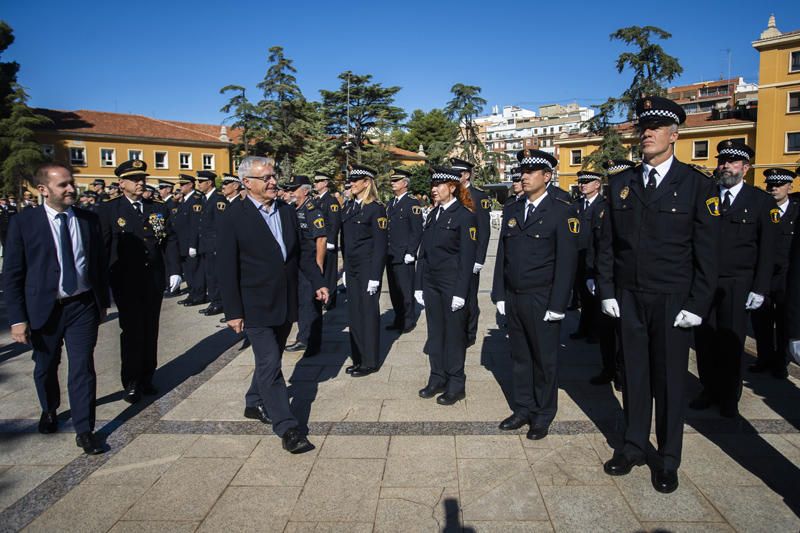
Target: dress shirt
[
  {"x": 77, "y": 249},
  {"x": 733, "y": 190},
  {"x": 444, "y": 207},
  {"x": 661, "y": 171},
  {"x": 534, "y": 203},
  {"x": 783, "y": 207},
  {"x": 396, "y": 199},
  {"x": 210, "y": 192},
  {"x": 186, "y": 198},
  {"x": 273, "y": 220}
]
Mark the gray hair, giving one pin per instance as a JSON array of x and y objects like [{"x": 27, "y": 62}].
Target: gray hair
[
  {"x": 673, "y": 128},
  {"x": 247, "y": 164},
  {"x": 306, "y": 187}
]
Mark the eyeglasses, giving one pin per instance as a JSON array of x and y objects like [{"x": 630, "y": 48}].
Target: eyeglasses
[{"x": 262, "y": 178}]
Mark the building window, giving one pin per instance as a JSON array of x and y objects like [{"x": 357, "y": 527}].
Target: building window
[
  {"x": 77, "y": 155},
  {"x": 161, "y": 161},
  {"x": 793, "y": 141},
  {"x": 107, "y": 157},
  {"x": 700, "y": 150},
  {"x": 794, "y": 61},
  {"x": 135, "y": 154},
  {"x": 575, "y": 157},
  {"x": 208, "y": 161},
  {"x": 48, "y": 150},
  {"x": 794, "y": 102},
  {"x": 185, "y": 161}
]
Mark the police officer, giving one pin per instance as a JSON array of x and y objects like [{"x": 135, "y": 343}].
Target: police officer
[
  {"x": 768, "y": 320},
  {"x": 483, "y": 205},
  {"x": 165, "y": 193},
  {"x": 99, "y": 188},
  {"x": 186, "y": 223},
  {"x": 231, "y": 185},
  {"x": 657, "y": 269},
  {"x": 313, "y": 237},
  {"x": 141, "y": 245},
  {"x": 516, "y": 188},
  {"x": 214, "y": 205},
  {"x": 405, "y": 232},
  {"x": 113, "y": 190},
  {"x": 586, "y": 207},
  {"x": 331, "y": 211},
  {"x": 536, "y": 257},
  {"x": 6, "y": 212},
  {"x": 749, "y": 219},
  {"x": 364, "y": 237}
]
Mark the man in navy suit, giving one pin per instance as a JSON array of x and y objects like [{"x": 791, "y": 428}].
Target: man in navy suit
[
  {"x": 56, "y": 289},
  {"x": 257, "y": 264}
]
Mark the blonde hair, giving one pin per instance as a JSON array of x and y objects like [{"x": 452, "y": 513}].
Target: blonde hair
[{"x": 372, "y": 193}]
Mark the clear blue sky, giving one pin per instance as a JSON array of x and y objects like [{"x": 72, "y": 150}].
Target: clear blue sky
[{"x": 169, "y": 59}]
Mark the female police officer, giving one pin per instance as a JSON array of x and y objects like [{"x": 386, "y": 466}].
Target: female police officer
[{"x": 447, "y": 255}]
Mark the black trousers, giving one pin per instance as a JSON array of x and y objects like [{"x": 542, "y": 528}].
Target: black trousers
[
  {"x": 401, "y": 291},
  {"x": 73, "y": 324},
  {"x": 719, "y": 341},
  {"x": 268, "y": 386},
  {"x": 309, "y": 316},
  {"x": 656, "y": 360},
  {"x": 534, "y": 356},
  {"x": 194, "y": 277},
  {"x": 447, "y": 339},
  {"x": 209, "y": 268},
  {"x": 473, "y": 311},
  {"x": 590, "y": 304},
  {"x": 331, "y": 276},
  {"x": 607, "y": 333},
  {"x": 363, "y": 311},
  {"x": 769, "y": 327},
  {"x": 139, "y": 306}
]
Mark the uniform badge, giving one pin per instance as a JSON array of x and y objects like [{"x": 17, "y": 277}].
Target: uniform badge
[
  {"x": 512, "y": 222},
  {"x": 222, "y": 205},
  {"x": 574, "y": 225},
  {"x": 485, "y": 203},
  {"x": 136, "y": 164},
  {"x": 417, "y": 210},
  {"x": 473, "y": 233},
  {"x": 319, "y": 223},
  {"x": 174, "y": 210},
  {"x": 775, "y": 215},
  {"x": 382, "y": 222},
  {"x": 648, "y": 104},
  {"x": 121, "y": 222},
  {"x": 334, "y": 207},
  {"x": 197, "y": 208},
  {"x": 624, "y": 192},
  {"x": 713, "y": 206},
  {"x": 310, "y": 206}
]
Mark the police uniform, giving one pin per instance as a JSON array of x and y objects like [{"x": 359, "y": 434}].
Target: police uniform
[
  {"x": 141, "y": 246},
  {"x": 482, "y": 205},
  {"x": 559, "y": 193},
  {"x": 768, "y": 320},
  {"x": 102, "y": 196},
  {"x": 516, "y": 177},
  {"x": 6, "y": 212},
  {"x": 404, "y": 234},
  {"x": 168, "y": 201},
  {"x": 332, "y": 212},
  {"x": 185, "y": 220},
  {"x": 536, "y": 257},
  {"x": 364, "y": 239},
  {"x": 657, "y": 267},
  {"x": 446, "y": 259},
  {"x": 749, "y": 222},
  {"x": 586, "y": 211},
  {"x": 214, "y": 205}
]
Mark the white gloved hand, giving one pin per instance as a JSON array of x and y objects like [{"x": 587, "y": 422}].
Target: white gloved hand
[
  {"x": 552, "y": 316},
  {"x": 192, "y": 252},
  {"x": 610, "y": 307},
  {"x": 476, "y": 268},
  {"x": 457, "y": 304},
  {"x": 408, "y": 259},
  {"x": 344, "y": 279},
  {"x": 372, "y": 287},
  {"x": 754, "y": 301},
  {"x": 590, "y": 286},
  {"x": 330, "y": 246},
  {"x": 419, "y": 298},
  {"x": 174, "y": 282},
  {"x": 794, "y": 350},
  {"x": 685, "y": 319},
  {"x": 501, "y": 307}
]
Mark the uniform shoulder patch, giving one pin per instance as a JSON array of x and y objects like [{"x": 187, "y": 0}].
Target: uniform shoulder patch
[
  {"x": 775, "y": 215},
  {"x": 309, "y": 206},
  {"x": 473, "y": 233},
  {"x": 712, "y": 204},
  {"x": 382, "y": 222},
  {"x": 574, "y": 225},
  {"x": 319, "y": 223},
  {"x": 334, "y": 206},
  {"x": 197, "y": 208},
  {"x": 417, "y": 210},
  {"x": 485, "y": 203},
  {"x": 222, "y": 205}
]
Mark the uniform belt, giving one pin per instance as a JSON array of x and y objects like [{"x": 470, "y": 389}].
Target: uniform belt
[{"x": 74, "y": 298}]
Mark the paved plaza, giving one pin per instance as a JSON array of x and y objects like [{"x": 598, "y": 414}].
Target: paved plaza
[{"x": 385, "y": 460}]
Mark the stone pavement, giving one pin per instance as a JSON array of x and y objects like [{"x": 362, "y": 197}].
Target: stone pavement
[{"x": 385, "y": 460}]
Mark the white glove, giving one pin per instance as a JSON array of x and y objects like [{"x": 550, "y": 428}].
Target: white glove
[
  {"x": 418, "y": 297},
  {"x": 330, "y": 246},
  {"x": 610, "y": 307},
  {"x": 685, "y": 319},
  {"x": 794, "y": 350},
  {"x": 192, "y": 252},
  {"x": 408, "y": 259},
  {"x": 372, "y": 287},
  {"x": 344, "y": 279},
  {"x": 590, "y": 286},
  {"x": 552, "y": 316},
  {"x": 174, "y": 282},
  {"x": 457, "y": 304},
  {"x": 476, "y": 268},
  {"x": 754, "y": 301},
  {"x": 501, "y": 307}
]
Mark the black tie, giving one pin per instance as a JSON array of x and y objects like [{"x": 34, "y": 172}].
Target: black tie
[
  {"x": 529, "y": 212},
  {"x": 356, "y": 208},
  {"x": 70, "y": 283},
  {"x": 726, "y": 203},
  {"x": 138, "y": 207},
  {"x": 585, "y": 205}
]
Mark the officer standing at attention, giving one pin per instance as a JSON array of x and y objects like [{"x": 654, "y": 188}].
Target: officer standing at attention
[
  {"x": 405, "y": 232},
  {"x": 587, "y": 206},
  {"x": 99, "y": 188},
  {"x": 214, "y": 205},
  {"x": 165, "y": 193},
  {"x": 482, "y": 208},
  {"x": 231, "y": 187},
  {"x": 657, "y": 271},
  {"x": 364, "y": 236},
  {"x": 533, "y": 276},
  {"x": 768, "y": 320},
  {"x": 746, "y": 247},
  {"x": 331, "y": 211},
  {"x": 186, "y": 223},
  {"x": 312, "y": 250},
  {"x": 516, "y": 188},
  {"x": 141, "y": 245}
]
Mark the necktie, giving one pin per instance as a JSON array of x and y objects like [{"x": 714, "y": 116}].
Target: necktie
[
  {"x": 438, "y": 210},
  {"x": 529, "y": 211},
  {"x": 138, "y": 207},
  {"x": 726, "y": 203},
  {"x": 70, "y": 274},
  {"x": 585, "y": 205}
]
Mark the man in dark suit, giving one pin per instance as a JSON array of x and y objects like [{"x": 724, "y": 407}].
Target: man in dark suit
[
  {"x": 56, "y": 291},
  {"x": 332, "y": 212},
  {"x": 214, "y": 205},
  {"x": 185, "y": 221},
  {"x": 657, "y": 271},
  {"x": 258, "y": 262},
  {"x": 793, "y": 300},
  {"x": 586, "y": 207}
]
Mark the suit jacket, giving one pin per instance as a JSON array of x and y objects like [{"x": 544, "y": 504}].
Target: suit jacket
[
  {"x": 186, "y": 221},
  {"x": 793, "y": 290},
  {"x": 208, "y": 222},
  {"x": 783, "y": 244},
  {"x": 405, "y": 228},
  {"x": 332, "y": 213},
  {"x": 364, "y": 239},
  {"x": 483, "y": 207},
  {"x": 257, "y": 284},
  {"x": 31, "y": 270},
  {"x": 585, "y": 216}
]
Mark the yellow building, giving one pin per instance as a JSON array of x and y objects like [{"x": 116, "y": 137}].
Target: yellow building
[
  {"x": 95, "y": 142},
  {"x": 778, "y": 142}
]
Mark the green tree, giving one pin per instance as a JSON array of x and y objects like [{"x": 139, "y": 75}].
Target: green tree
[
  {"x": 611, "y": 146},
  {"x": 433, "y": 130},
  {"x": 463, "y": 108},
  {"x": 319, "y": 152},
  {"x": 245, "y": 116}
]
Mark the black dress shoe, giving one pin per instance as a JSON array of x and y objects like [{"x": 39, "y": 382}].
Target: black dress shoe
[
  {"x": 257, "y": 412},
  {"x": 471, "y": 341},
  {"x": 294, "y": 442},
  {"x": 193, "y": 303},
  {"x": 449, "y": 398},
  {"x": 514, "y": 421},
  {"x": 296, "y": 347},
  {"x": 132, "y": 393},
  {"x": 212, "y": 310},
  {"x": 48, "y": 422},
  {"x": 409, "y": 329},
  {"x": 184, "y": 301},
  {"x": 664, "y": 480},
  {"x": 350, "y": 369},
  {"x": 222, "y": 320},
  {"x": 758, "y": 367},
  {"x": 620, "y": 465},
  {"x": 148, "y": 389},
  {"x": 703, "y": 401},
  {"x": 601, "y": 379},
  {"x": 538, "y": 432},
  {"x": 90, "y": 444},
  {"x": 203, "y": 311},
  {"x": 430, "y": 391},
  {"x": 363, "y": 371}
]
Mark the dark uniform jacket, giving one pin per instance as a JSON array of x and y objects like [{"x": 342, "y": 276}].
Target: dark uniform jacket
[
  {"x": 312, "y": 226},
  {"x": 208, "y": 222},
  {"x": 593, "y": 229},
  {"x": 364, "y": 239},
  {"x": 186, "y": 220},
  {"x": 405, "y": 228},
  {"x": 559, "y": 193},
  {"x": 538, "y": 252},
  {"x": 332, "y": 212},
  {"x": 257, "y": 284},
  {"x": 793, "y": 289},
  {"x": 585, "y": 216},
  {"x": 783, "y": 244},
  {"x": 664, "y": 244},
  {"x": 482, "y": 205}
]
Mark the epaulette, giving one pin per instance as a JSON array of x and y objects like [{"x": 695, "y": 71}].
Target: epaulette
[
  {"x": 701, "y": 170},
  {"x": 157, "y": 200},
  {"x": 563, "y": 201},
  {"x": 112, "y": 199},
  {"x": 477, "y": 188}
]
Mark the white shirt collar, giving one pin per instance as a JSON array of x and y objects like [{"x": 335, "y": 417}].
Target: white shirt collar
[
  {"x": 446, "y": 206},
  {"x": 535, "y": 202},
  {"x": 592, "y": 199},
  {"x": 322, "y": 195},
  {"x": 52, "y": 213},
  {"x": 185, "y": 198},
  {"x": 209, "y": 193},
  {"x": 398, "y": 198},
  {"x": 134, "y": 201},
  {"x": 784, "y": 206},
  {"x": 733, "y": 190},
  {"x": 661, "y": 170}
]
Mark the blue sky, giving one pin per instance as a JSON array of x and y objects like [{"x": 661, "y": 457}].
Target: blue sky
[{"x": 169, "y": 59}]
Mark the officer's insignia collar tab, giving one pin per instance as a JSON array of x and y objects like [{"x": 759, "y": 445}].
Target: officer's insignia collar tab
[
  {"x": 334, "y": 207},
  {"x": 473, "y": 232},
  {"x": 382, "y": 222},
  {"x": 713, "y": 206},
  {"x": 417, "y": 210},
  {"x": 775, "y": 215},
  {"x": 121, "y": 222},
  {"x": 222, "y": 205},
  {"x": 319, "y": 223},
  {"x": 485, "y": 203},
  {"x": 574, "y": 225},
  {"x": 512, "y": 222},
  {"x": 624, "y": 192}
]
